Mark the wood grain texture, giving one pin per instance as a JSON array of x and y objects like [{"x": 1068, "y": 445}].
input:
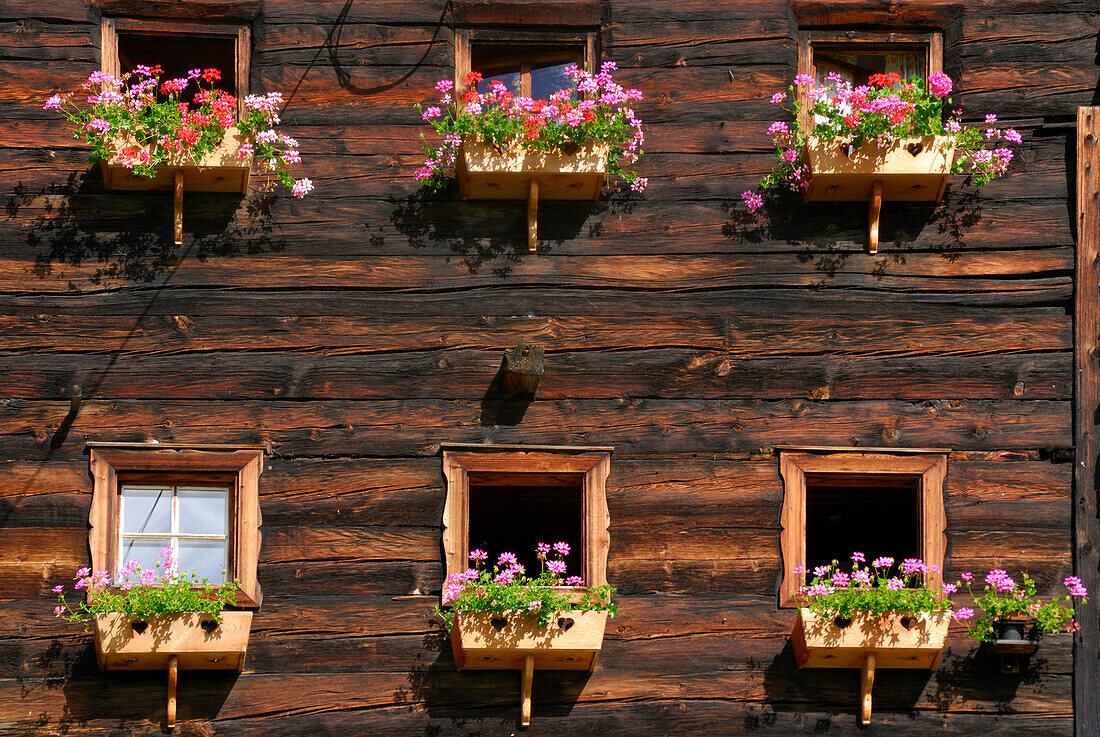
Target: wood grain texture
[{"x": 354, "y": 333}]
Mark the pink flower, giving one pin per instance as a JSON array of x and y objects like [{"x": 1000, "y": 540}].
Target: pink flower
[
  {"x": 444, "y": 85},
  {"x": 556, "y": 566},
  {"x": 302, "y": 187},
  {"x": 778, "y": 97},
  {"x": 789, "y": 155},
  {"x": 994, "y": 576},
  {"x": 561, "y": 548},
  {"x": 968, "y": 576},
  {"x": 858, "y": 558},
  {"x": 574, "y": 581},
  {"x": 504, "y": 576},
  {"x": 912, "y": 565},
  {"x": 81, "y": 584},
  {"x": 1012, "y": 135},
  {"x": 432, "y": 113},
  {"x": 991, "y": 118},
  {"x": 506, "y": 559},
  {"x": 952, "y": 126},
  {"x": 818, "y": 589},
  {"x": 1073, "y": 583},
  {"x": 148, "y": 577},
  {"x": 532, "y": 606},
  {"x": 895, "y": 584},
  {"x": 267, "y": 136},
  {"x": 478, "y": 555},
  {"x": 245, "y": 152},
  {"x": 861, "y": 577},
  {"x": 950, "y": 588},
  {"x": 59, "y": 588},
  {"x": 883, "y": 562},
  {"x": 99, "y": 124},
  {"x": 939, "y": 84},
  {"x": 639, "y": 184},
  {"x": 798, "y": 570},
  {"x": 778, "y": 128},
  {"x": 840, "y": 579},
  {"x": 542, "y": 549},
  {"x": 821, "y": 571},
  {"x": 82, "y": 573},
  {"x": 753, "y": 201},
  {"x": 963, "y": 614},
  {"x": 292, "y": 157},
  {"x": 58, "y": 611},
  {"x": 97, "y": 77},
  {"x": 52, "y": 103},
  {"x": 451, "y": 591},
  {"x": 804, "y": 80}
]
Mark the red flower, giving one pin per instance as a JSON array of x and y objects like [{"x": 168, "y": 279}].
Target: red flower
[
  {"x": 211, "y": 75},
  {"x": 470, "y": 96},
  {"x": 852, "y": 120},
  {"x": 156, "y": 71},
  {"x": 473, "y": 78},
  {"x": 884, "y": 80}
]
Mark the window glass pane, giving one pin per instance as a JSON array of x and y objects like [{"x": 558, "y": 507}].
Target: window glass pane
[
  {"x": 178, "y": 53},
  {"x": 511, "y": 81},
  {"x": 547, "y": 80},
  {"x": 206, "y": 558},
  {"x": 146, "y": 509},
  {"x": 144, "y": 550},
  {"x": 857, "y": 68},
  {"x": 203, "y": 511},
  {"x": 873, "y": 515}
]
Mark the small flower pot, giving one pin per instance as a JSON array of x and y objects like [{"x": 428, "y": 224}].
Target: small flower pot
[
  {"x": 868, "y": 642},
  {"x": 218, "y": 171},
  {"x": 1015, "y": 636},
  {"x": 486, "y": 172},
  {"x": 910, "y": 170},
  {"x": 516, "y": 641},
  {"x": 196, "y": 640},
  {"x": 191, "y": 641}
]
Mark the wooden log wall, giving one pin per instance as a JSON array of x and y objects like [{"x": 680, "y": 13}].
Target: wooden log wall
[{"x": 354, "y": 331}]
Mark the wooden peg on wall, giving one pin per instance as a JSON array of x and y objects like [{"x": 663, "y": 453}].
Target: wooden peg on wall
[
  {"x": 522, "y": 370},
  {"x": 525, "y": 691}
]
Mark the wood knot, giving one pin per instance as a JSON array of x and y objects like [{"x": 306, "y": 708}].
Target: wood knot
[{"x": 1018, "y": 389}]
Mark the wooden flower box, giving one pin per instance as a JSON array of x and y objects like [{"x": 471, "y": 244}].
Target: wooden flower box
[
  {"x": 516, "y": 641},
  {"x": 191, "y": 641},
  {"x": 1014, "y": 638},
  {"x": 486, "y": 172},
  {"x": 867, "y": 642},
  {"x": 910, "y": 170},
  {"x": 218, "y": 171}
]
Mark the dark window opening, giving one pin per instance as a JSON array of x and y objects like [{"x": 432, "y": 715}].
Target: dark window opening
[
  {"x": 535, "y": 71},
  {"x": 513, "y": 513},
  {"x": 177, "y": 54},
  {"x": 858, "y": 66},
  {"x": 874, "y": 515}
]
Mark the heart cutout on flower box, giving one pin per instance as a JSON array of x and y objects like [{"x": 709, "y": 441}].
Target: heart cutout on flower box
[
  {"x": 498, "y": 623},
  {"x": 908, "y": 623},
  {"x": 914, "y": 148},
  {"x": 842, "y": 622},
  {"x": 139, "y": 626},
  {"x": 565, "y": 622},
  {"x": 208, "y": 625}
]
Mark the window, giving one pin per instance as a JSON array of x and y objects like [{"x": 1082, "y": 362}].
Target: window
[
  {"x": 203, "y": 501},
  {"x": 529, "y": 63},
  {"x": 856, "y": 55},
  {"x": 879, "y": 502},
  {"x": 179, "y": 47},
  {"x": 508, "y": 498}
]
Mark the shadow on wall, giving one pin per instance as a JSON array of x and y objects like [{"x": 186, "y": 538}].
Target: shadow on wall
[
  {"x": 127, "y": 236},
  {"x": 827, "y": 231},
  {"x": 127, "y": 700},
  {"x": 964, "y": 682},
  {"x": 486, "y": 233},
  {"x": 468, "y": 698}
]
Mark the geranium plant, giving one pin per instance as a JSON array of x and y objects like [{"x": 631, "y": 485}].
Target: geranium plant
[
  {"x": 506, "y": 587},
  {"x": 878, "y": 114},
  {"x": 145, "y": 123},
  {"x": 144, "y": 592},
  {"x": 876, "y": 589},
  {"x": 1002, "y": 598},
  {"x": 595, "y": 109}
]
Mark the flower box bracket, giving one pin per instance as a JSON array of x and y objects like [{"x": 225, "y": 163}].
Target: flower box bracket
[
  {"x": 908, "y": 170},
  {"x": 516, "y": 641},
  {"x": 867, "y": 642},
  {"x": 171, "y": 641},
  {"x": 1015, "y": 640},
  {"x": 485, "y": 171},
  {"x": 219, "y": 171}
]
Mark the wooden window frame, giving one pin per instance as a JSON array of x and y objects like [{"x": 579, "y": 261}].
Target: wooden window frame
[
  {"x": 929, "y": 464},
  {"x": 242, "y": 35},
  {"x": 239, "y": 467},
  {"x": 591, "y": 466},
  {"x": 865, "y": 41},
  {"x": 466, "y": 37}
]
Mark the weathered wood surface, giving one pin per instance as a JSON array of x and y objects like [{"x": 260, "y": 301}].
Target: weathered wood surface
[{"x": 354, "y": 331}]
